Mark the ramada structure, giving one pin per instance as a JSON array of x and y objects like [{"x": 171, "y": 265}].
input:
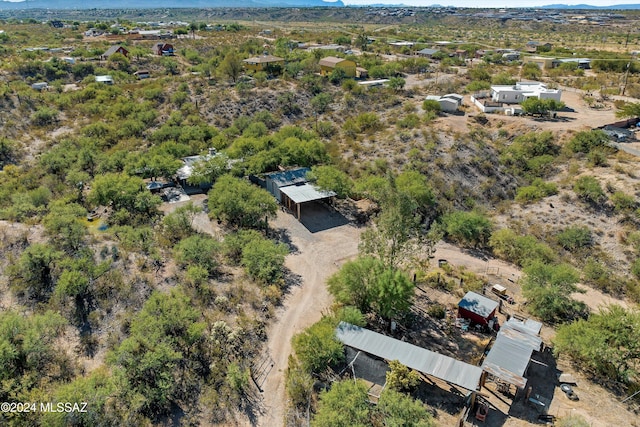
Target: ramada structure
[
  {"x": 292, "y": 188},
  {"x": 507, "y": 361}
]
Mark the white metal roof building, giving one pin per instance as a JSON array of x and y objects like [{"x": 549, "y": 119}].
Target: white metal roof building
[{"x": 420, "y": 359}]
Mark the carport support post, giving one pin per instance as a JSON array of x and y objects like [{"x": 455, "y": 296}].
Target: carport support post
[{"x": 298, "y": 211}]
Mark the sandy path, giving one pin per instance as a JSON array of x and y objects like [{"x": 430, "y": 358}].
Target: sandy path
[{"x": 318, "y": 256}]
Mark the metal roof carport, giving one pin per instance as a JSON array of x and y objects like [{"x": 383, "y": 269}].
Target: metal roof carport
[
  {"x": 420, "y": 359},
  {"x": 295, "y": 195}
]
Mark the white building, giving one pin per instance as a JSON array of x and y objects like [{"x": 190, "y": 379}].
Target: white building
[
  {"x": 449, "y": 103},
  {"x": 521, "y": 91}
]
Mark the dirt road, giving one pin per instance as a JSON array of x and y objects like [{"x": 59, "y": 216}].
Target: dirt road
[{"x": 318, "y": 255}]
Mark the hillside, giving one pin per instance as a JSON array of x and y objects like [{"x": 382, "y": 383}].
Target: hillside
[{"x": 177, "y": 306}]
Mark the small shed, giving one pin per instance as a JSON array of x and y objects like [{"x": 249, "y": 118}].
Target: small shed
[
  {"x": 108, "y": 80},
  {"x": 40, "y": 86},
  {"x": 477, "y": 308},
  {"x": 142, "y": 74}
]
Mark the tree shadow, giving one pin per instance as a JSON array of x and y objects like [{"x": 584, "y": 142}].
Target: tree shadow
[{"x": 283, "y": 235}]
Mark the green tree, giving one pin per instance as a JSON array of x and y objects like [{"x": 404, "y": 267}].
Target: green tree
[
  {"x": 548, "y": 289},
  {"x": 431, "y": 105},
  {"x": 396, "y": 83},
  {"x": 198, "y": 250},
  {"x": 231, "y": 66},
  {"x": 96, "y": 390},
  {"x": 398, "y": 409},
  {"x": 536, "y": 106},
  {"x": 264, "y": 260},
  {"x": 320, "y": 103},
  {"x": 63, "y": 225},
  {"x": 331, "y": 179},
  {"x": 239, "y": 203},
  {"x": 33, "y": 275},
  {"x": 606, "y": 343},
  {"x": 520, "y": 250},
  {"x": 368, "y": 284},
  {"x": 353, "y": 283},
  {"x": 398, "y": 231},
  {"x": 164, "y": 346},
  {"x": 179, "y": 224},
  {"x": 317, "y": 346},
  {"x": 125, "y": 192},
  {"x": 29, "y": 352},
  {"x": 470, "y": 228},
  {"x": 531, "y": 71},
  {"x": 207, "y": 171},
  {"x": 346, "y": 404},
  {"x": 586, "y": 141}
]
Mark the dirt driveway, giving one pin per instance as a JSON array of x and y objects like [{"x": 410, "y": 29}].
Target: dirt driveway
[{"x": 316, "y": 257}]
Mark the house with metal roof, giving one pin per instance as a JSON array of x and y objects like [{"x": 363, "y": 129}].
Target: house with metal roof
[
  {"x": 427, "y": 53},
  {"x": 115, "y": 49},
  {"x": 330, "y": 63},
  {"x": 477, "y": 308},
  {"x": 263, "y": 63}
]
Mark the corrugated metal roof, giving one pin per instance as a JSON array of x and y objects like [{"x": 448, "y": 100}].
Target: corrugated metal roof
[
  {"x": 478, "y": 304},
  {"x": 290, "y": 177},
  {"x": 509, "y": 357},
  {"x": 428, "y": 51},
  {"x": 420, "y": 359},
  {"x": 305, "y": 193},
  {"x": 264, "y": 59}
]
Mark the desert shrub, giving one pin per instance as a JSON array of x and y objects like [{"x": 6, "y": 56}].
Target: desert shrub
[
  {"x": 431, "y": 105},
  {"x": 520, "y": 250},
  {"x": 469, "y": 228},
  {"x": 368, "y": 122},
  {"x": 263, "y": 260},
  {"x": 548, "y": 288},
  {"x": 317, "y": 347},
  {"x": 575, "y": 237},
  {"x": 44, "y": 116},
  {"x": 198, "y": 250},
  {"x": 586, "y": 141},
  {"x": 588, "y": 189},
  {"x": 623, "y": 203},
  {"x": 536, "y": 191},
  {"x": 401, "y": 378}
]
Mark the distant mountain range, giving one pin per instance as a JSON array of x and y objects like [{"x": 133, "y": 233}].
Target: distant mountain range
[
  {"x": 589, "y": 7},
  {"x": 154, "y": 4}
]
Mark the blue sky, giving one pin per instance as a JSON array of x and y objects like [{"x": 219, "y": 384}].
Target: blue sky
[{"x": 491, "y": 3}]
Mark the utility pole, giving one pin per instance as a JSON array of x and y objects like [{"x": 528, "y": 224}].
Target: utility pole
[{"x": 626, "y": 77}]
